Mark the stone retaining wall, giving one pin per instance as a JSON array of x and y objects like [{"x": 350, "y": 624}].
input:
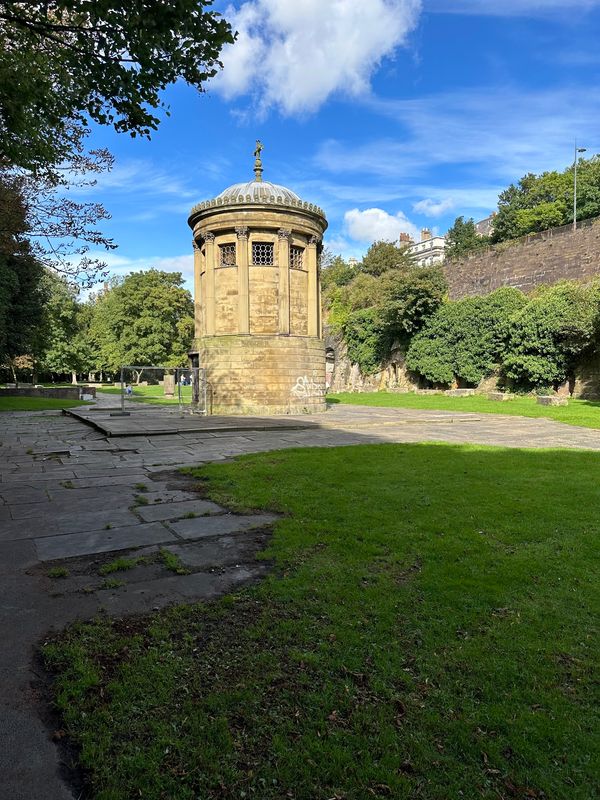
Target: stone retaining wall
[
  {"x": 59, "y": 392},
  {"x": 541, "y": 258}
]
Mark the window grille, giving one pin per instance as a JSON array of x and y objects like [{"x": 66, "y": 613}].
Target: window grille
[
  {"x": 227, "y": 255},
  {"x": 296, "y": 255},
  {"x": 262, "y": 253}
]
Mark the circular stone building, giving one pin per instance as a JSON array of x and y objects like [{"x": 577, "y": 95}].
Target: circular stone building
[{"x": 257, "y": 299}]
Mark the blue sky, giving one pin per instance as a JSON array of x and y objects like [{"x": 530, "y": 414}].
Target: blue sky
[{"x": 392, "y": 115}]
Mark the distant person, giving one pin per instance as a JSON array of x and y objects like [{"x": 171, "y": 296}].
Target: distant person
[{"x": 128, "y": 391}]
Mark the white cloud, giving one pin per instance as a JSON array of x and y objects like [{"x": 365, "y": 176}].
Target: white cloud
[
  {"x": 139, "y": 177},
  {"x": 433, "y": 208},
  {"x": 501, "y": 135},
  {"x": 510, "y": 8},
  {"x": 375, "y": 224},
  {"x": 294, "y": 54}
]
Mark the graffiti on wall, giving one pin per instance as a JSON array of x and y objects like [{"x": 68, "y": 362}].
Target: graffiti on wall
[{"x": 306, "y": 387}]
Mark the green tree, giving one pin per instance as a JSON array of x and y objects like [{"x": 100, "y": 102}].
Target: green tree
[
  {"x": 374, "y": 312},
  {"x": 336, "y": 272},
  {"x": 539, "y": 202},
  {"x": 462, "y": 238},
  {"x": 551, "y": 333},
  {"x": 408, "y": 297},
  {"x": 383, "y": 256},
  {"x": 465, "y": 340},
  {"x": 145, "y": 318},
  {"x": 21, "y": 291},
  {"x": 67, "y": 345},
  {"x": 64, "y": 61}
]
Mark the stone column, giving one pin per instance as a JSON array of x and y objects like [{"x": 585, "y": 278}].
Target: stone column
[
  {"x": 209, "y": 298},
  {"x": 241, "y": 260},
  {"x": 313, "y": 287},
  {"x": 197, "y": 289},
  {"x": 284, "y": 280},
  {"x": 320, "y": 303}
]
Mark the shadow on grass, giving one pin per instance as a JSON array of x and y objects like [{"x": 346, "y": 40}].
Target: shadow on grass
[{"x": 427, "y": 631}]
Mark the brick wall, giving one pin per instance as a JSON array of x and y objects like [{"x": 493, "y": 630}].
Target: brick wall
[{"x": 542, "y": 258}]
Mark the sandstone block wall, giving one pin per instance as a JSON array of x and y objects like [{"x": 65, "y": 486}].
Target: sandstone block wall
[
  {"x": 263, "y": 374},
  {"x": 543, "y": 258}
]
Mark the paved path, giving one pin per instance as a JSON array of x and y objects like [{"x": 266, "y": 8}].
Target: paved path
[{"x": 70, "y": 495}]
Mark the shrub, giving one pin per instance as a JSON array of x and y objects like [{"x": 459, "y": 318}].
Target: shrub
[
  {"x": 465, "y": 339},
  {"x": 551, "y": 333}
]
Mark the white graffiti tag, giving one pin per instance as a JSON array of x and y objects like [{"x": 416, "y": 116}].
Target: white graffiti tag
[{"x": 306, "y": 387}]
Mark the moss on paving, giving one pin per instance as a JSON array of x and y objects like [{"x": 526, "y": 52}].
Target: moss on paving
[
  {"x": 429, "y": 630},
  {"x": 581, "y": 413}
]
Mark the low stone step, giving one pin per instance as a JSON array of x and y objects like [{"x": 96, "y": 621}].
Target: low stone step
[{"x": 70, "y": 545}]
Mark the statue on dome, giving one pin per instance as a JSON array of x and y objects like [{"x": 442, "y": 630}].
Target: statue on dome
[{"x": 259, "y": 148}]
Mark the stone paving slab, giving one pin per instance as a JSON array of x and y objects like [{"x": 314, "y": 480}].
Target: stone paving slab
[
  {"x": 128, "y": 479},
  {"x": 202, "y": 527},
  {"x": 166, "y": 511},
  {"x": 26, "y": 494},
  {"x": 65, "y": 523},
  {"x": 51, "y": 548}
]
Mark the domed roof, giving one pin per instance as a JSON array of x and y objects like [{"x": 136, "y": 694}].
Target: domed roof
[{"x": 259, "y": 192}]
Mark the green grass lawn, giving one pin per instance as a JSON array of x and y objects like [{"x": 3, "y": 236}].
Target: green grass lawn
[
  {"x": 152, "y": 394},
  {"x": 583, "y": 413},
  {"x": 429, "y": 630},
  {"x": 37, "y": 403}
]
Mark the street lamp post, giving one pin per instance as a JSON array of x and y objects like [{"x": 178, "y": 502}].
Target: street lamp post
[{"x": 577, "y": 151}]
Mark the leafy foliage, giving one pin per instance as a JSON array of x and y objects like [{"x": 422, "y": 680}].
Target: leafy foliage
[
  {"x": 550, "y": 333},
  {"x": 383, "y": 256},
  {"x": 145, "y": 318},
  {"x": 374, "y": 310},
  {"x": 366, "y": 338},
  {"x": 539, "y": 202},
  {"x": 336, "y": 272},
  {"x": 66, "y": 329},
  {"x": 464, "y": 340},
  {"x": 462, "y": 238},
  {"x": 62, "y": 61},
  {"x": 21, "y": 290}
]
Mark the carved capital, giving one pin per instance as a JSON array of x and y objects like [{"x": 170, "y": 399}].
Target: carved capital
[
  {"x": 195, "y": 245},
  {"x": 284, "y": 233},
  {"x": 314, "y": 240},
  {"x": 241, "y": 232},
  {"x": 209, "y": 237}
]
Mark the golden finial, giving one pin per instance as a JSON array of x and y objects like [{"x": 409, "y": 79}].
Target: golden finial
[{"x": 258, "y": 168}]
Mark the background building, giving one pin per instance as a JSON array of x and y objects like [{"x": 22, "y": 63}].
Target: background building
[{"x": 430, "y": 250}]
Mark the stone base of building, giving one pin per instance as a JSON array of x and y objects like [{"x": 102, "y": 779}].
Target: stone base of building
[{"x": 263, "y": 375}]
